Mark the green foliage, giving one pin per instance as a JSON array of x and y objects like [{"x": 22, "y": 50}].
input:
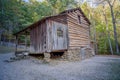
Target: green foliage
[
  {"x": 99, "y": 30},
  {"x": 102, "y": 45},
  {"x": 4, "y": 49},
  {"x": 60, "y": 5}
]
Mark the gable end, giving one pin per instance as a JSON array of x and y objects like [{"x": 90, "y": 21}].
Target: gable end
[{"x": 73, "y": 10}]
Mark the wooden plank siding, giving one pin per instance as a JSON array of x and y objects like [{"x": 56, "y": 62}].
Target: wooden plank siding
[
  {"x": 79, "y": 35},
  {"x": 49, "y": 34},
  {"x": 59, "y": 42},
  {"x": 55, "y": 43},
  {"x": 44, "y": 37},
  {"x": 75, "y": 35},
  {"x": 38, "y": 38}
]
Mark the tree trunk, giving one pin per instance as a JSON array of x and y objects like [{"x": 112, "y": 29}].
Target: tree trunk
[
  {"x": 108, "y": 35},
  {"x": 114, "y": 27},
  {"x": 96, "y": 50},
  {"x": 111, "y": 49}
]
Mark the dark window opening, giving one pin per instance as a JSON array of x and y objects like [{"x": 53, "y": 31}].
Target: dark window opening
[
  {"x": 39, "y": 56},
  {"x": 79, "y": 19},
  {"x": 59, "y": 32},
  {"x": 56, "y": 55}
]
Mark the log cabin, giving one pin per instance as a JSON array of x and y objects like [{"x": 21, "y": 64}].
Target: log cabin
[{"x": 67, "y": 32}]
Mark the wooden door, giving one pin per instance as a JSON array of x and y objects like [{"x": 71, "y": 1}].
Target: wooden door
[{"x": 59, "y": 36}]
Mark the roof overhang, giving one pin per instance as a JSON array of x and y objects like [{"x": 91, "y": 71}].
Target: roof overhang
[{"x": 27, "y": 29}]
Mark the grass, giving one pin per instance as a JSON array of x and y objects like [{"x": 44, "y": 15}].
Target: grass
[{"x": 4, "y": 49}]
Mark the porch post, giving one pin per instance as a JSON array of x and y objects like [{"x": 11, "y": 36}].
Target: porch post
[
  {"x": 25, "y": 41},
  {"x": 16, "y": 42}
]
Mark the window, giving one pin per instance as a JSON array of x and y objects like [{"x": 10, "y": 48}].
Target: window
[
  {"x": 59, "y": 32},
  {"x": 79, "y": 19}
]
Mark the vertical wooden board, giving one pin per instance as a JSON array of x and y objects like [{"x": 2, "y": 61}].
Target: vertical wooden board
[
  {"x": 31, "y": 41},
  {"x": 49, "y": 35},
  {"x": 34, "y": 39},
  {"x": 59, "y": 43},
  {"x": 38, "y": 38},
  {"x": 31, "y": 38},
  {"x": 43, "y": 37}
]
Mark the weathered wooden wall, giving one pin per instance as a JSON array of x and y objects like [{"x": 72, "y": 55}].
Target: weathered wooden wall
[
  {"x": 78, "y": 32},
  {"x": 44, "y": 36},
  {"x": 75, "y": 35},
  {"x": 38, "y": 38},
  {"x": 54, "y": 42}
]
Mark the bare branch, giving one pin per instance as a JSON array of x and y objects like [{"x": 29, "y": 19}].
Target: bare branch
[
  {"x": 113, "y": 2},
  {"x": 117, "y": 13},
  {"x": 108, "y": 1},
  {"x": 99, "y": 1}
]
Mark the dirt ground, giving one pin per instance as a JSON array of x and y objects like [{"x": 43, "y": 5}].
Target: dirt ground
[{"x": 95, "y": 68}]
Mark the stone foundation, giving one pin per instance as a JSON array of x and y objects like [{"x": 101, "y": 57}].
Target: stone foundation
[
  {"x": 46, "y": 57},
  {"x": 74, "y": 54},
  {"x": 78, "y": 54}
]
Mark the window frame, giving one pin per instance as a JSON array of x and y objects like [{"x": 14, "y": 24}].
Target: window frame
[{"x": 59, "y": 32}]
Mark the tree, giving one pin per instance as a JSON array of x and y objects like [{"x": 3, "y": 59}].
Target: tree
[
  {"x": 111, "y": 5},
  {"x": 60, "y": 5},
  {"x": 114, "y": 23},
  {"x": 106, "y": 22}
]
